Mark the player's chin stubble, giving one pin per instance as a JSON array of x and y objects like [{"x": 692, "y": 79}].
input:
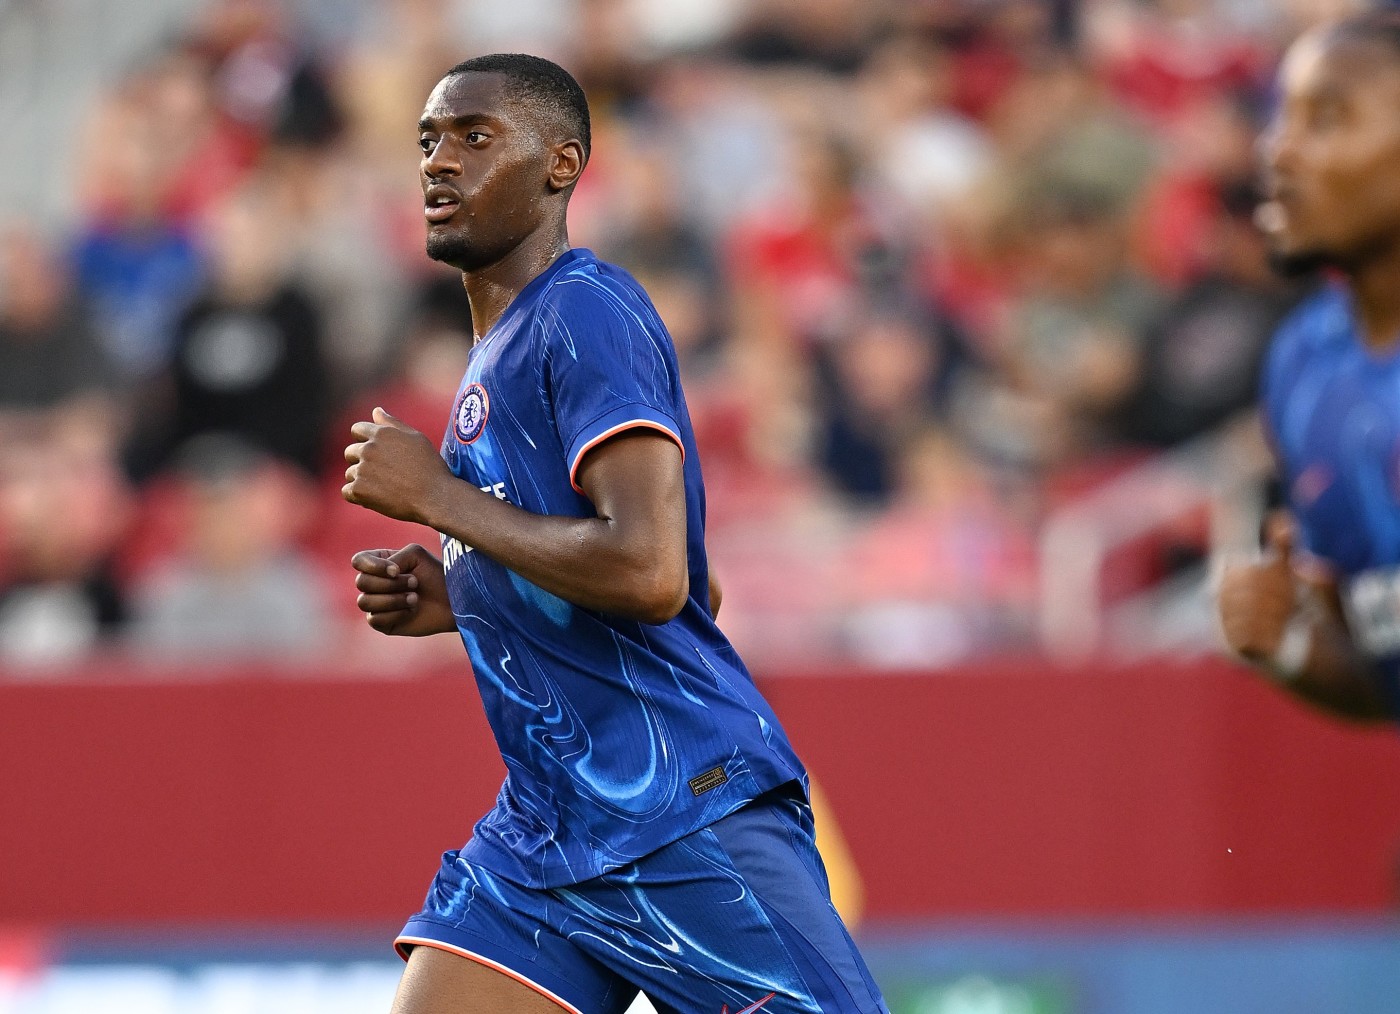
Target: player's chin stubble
[
  {"x": 448, "y": 247},
  {"x": 1299, "y": 263}
]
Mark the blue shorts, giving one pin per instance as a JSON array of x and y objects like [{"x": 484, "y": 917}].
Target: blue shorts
[{"x": 732, "y": 919}]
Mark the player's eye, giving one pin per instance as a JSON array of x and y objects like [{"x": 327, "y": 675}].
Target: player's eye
[
  {"x": 475, "y": 137},
  {"x": 427, "y": 144}
]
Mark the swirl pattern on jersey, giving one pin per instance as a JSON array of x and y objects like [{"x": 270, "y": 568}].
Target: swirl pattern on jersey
[
  {"x": 735, "y": 916},
  {"x": 1332, "y": 409},
  {"x": 618, "y": 737}
]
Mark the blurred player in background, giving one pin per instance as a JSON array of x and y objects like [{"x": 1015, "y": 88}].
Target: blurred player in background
[
  {"x": 1320, "y": 611},
  {"x": 653, "y": 830}
]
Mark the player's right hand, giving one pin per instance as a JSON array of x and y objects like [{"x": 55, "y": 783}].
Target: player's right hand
[
  {"x": 1258, "y": 598},
  {"x": 403, "y": 591}
]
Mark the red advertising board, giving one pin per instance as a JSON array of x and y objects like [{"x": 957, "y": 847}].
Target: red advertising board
[{"x": 1001, "y": 789}]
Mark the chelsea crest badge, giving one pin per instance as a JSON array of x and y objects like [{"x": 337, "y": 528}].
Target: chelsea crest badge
[{"x": 470, "y": 418}]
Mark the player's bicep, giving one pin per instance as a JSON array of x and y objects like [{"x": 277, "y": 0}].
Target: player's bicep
[{"x": 636, "y": 480}]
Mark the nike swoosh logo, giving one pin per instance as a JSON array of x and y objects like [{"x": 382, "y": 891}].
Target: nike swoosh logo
[{"x": 724, "y": 1008}]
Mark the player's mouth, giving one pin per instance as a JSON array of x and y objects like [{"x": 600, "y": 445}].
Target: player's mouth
[
  {"x": 440, "y": 203},
  {"x": 1272, "y": 215}
]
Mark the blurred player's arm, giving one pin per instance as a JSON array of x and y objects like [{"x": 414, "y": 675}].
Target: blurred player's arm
[
  {"x": 629, "y": 560},
  {"x": 1295, "y": 631}
]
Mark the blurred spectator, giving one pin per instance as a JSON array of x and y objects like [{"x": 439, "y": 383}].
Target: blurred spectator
[
  {"x": 1074, "y": 341},
  {"x": 987, "y": 242},
  {"x": 158, "y": 154},
  {"x": 430, "y": 359},
  {"x": 432, "y": 356},
  {"x": 63, "y": 509},
  {"x": 63, "y": 503},
  {"x": 264, "y": 83},
  {"x": 1201, "y": 361},
  {"x": 542, "y": 26},
  {"x": 248, "y": 358},
  {"x": 688, "y": 300},
  {"x": 729, "y": 145},
  {"x": 996, "y": 43},
  {"x": 336, "y": 243},
  {"x": 608, "y": 56},
  {"x": 238, "y": 585},
  {"x": 1060, "y": 129},
  {"x": 1209, "y": 152},
  {"x": 802, "y": 267},
  {"x": 828, "y": 34},
  {"x": 383, "y": 87},
  {"x": 884, "y": 384},
  {"x": 924, "y": 153},
  {"x": 947, "y": 570},
  {"x": 1166, "y": 57},
  {"x": 650, "y": 235},
  {"x": 679, "y": 26},
  {"x": 335, "y": 236},
  {"x": 50, "y": 360}
]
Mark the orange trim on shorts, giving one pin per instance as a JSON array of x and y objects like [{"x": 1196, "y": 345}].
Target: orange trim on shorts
[
  {"x": 479, "y": 959},
  {"x": 614, "y": 431}
]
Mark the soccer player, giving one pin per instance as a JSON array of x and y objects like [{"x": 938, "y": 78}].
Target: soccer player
[
  {"x": 653, "y": 831},
  {"x": 1323, "y": 616}
]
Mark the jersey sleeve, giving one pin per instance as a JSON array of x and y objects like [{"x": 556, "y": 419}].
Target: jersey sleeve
[
  {"x": 608, "y": 367},
  {"x": 1286, "y": 366}
]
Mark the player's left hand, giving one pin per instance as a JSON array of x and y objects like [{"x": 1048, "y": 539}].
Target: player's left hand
[
  {"x": 1257, "y": 599},
  {"x": 392, "y": 468}
]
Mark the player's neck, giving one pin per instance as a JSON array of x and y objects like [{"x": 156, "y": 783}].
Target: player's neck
[
  {"x": 1376, "y": 289},
  {"x": 492, "y": 288}
]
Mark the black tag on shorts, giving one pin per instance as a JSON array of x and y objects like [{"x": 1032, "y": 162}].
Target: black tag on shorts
[{"x": 711, "y": 779}]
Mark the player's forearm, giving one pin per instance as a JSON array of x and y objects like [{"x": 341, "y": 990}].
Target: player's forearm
[
  {"x": 594, "y": 563},
  {"x": 1338, "y": 677}
]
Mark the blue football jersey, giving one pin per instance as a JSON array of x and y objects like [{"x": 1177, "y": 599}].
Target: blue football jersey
[
  {"x": 618, "y": 737},
  {"x": 1332, "y": 408}
]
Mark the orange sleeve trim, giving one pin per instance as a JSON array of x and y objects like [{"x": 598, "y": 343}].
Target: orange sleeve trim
[
  {"x": 612, "y": 432},
  {"x": 481, "y": 960}
]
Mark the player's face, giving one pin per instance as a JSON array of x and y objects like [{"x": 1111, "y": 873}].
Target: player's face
[
  {"x": 1332, "y": 154},
  {"x": 485, "y": 171}
]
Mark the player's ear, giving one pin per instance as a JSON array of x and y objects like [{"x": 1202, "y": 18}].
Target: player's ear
[{"x": 566, "y": 164}]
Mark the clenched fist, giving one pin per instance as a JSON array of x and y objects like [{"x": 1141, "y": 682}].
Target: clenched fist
[
  {"x": 403, "y": 591},
  {"x": 393, "y": 469},
  {"x": 1257, "y": 599}
]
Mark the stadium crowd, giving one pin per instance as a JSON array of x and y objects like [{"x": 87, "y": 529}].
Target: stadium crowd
[{"x": 933, "y": 268}]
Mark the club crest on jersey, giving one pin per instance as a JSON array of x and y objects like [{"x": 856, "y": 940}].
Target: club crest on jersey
[{"x": 470, "y": 418}]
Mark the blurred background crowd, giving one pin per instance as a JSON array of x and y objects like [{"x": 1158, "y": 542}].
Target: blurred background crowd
[
  {"x": 970, "y": 309},
  {"x": 939, "y": 273}
]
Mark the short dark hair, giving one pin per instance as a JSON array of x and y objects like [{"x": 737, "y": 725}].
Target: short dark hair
[
  {"x": 542, "y": 81},
  {"x": 1381, "y": 25}
]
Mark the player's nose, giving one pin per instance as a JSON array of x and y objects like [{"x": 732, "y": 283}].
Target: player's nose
[
  {"x": 442, "y": 160},
  {"x": 1276, "y": 147}
]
